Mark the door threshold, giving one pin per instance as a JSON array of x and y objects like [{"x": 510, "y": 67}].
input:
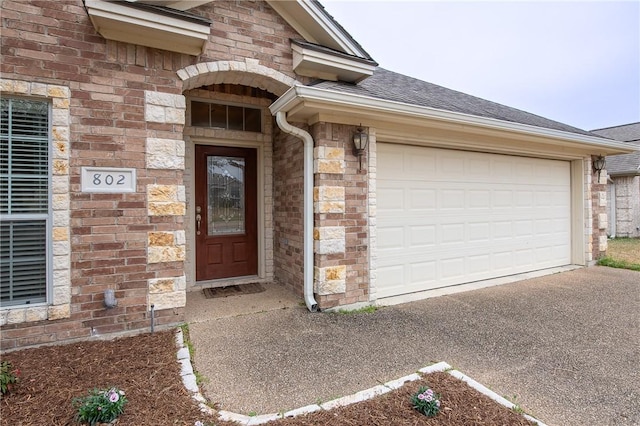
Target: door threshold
[{"x": 226, "y": 282}]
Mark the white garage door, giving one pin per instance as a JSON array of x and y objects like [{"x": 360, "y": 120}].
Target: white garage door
[{"x": 447, "y": 217}]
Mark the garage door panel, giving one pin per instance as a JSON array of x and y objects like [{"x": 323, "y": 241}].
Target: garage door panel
[
  {"x": 495, "y": 216},
  {"x": 422, "y": 235}
]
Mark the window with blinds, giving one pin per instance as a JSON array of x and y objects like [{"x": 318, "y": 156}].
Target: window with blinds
[{"x": 24, "y": 201}]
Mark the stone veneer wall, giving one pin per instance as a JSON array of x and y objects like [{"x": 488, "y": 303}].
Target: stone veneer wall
[
  {"x": 627, "y": 206},
  {"x": 341, "y": 218},
  {"x": 125, "y": 109},
  {"x": 288, "y": 208}
]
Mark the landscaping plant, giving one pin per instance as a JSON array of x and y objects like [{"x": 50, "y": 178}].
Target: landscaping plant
[
  {"x": 8, "y": 377},
  {"x": 100, "y": 406},
  {"x": 426, "y": 402}
]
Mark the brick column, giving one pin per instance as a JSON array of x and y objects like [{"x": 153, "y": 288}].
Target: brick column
[
  {"x": 599, "y": 212},
  {"x": 341, "y": 263}
]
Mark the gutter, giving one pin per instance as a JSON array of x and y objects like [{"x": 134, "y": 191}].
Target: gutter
[
  {"x": 294, "y": 100},
  {"x": 307, "y": 140}
]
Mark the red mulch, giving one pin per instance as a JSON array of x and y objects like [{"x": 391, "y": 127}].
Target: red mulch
[{"x": 145, "y": 367}]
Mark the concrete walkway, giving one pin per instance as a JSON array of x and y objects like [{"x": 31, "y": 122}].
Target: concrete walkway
[{"x": 566, "y": 347}]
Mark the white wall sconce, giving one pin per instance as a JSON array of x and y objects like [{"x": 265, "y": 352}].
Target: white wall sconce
[{"x": 360, "y": 142}]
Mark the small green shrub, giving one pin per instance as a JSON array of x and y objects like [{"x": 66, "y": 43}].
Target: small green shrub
[
  {"x": 100, "y": 406},
  {"x": 426, "y": 401},
  {"x": 8, "y": 377}
]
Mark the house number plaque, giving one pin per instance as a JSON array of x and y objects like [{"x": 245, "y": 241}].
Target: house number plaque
[{"x": 108, "y": 179}]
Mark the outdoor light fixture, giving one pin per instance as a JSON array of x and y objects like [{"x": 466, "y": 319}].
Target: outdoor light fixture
[
  {"x": 360, "y": 142},
  {"x": 598, "y": 164}
]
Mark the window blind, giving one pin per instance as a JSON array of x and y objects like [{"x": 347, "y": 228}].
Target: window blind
[{"x": 24, "y": 200}]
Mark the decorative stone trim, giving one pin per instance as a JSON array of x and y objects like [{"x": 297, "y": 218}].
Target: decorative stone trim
[
  {"x": 165, "y": 154},
  {"x": 328, "y": 160},
  {"x": 330, "y": 280},
  {"x": 160, "y": 107},
  {"x": 166, "y": 200},
  {"x": 167, "y": 293},
  {"x": 329, "y": 199},
  {"x": 248, "y": 73},
  {"x": 329, "y": 240},
  {"x": 602, "y": 220},
  {"x": 59, "y": 301},
  {"x": 166, "y": 247}
]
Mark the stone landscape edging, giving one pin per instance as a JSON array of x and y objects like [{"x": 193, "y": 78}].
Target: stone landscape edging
[{"x": 189, "y": 380}]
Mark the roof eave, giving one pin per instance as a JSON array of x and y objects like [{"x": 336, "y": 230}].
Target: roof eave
[
  {"x": 304, "y": 102},
  {"x": 310, "y": 20}
]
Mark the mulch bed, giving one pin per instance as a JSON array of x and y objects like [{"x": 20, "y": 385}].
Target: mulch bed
[
  {"x": 145, "y": 367},
  {"x": 460, "y": 405}
]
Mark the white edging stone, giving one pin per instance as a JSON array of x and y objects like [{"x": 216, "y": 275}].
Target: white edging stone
[
  {"x": 491, "y": 394},
  {"x": 189, "y": 381}
]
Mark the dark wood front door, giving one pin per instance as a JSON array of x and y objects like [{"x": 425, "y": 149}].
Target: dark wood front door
[{"x": 226, "y": 212}]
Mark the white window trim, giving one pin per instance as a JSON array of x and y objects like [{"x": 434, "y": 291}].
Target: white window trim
[{"x": 58, "y": 304}]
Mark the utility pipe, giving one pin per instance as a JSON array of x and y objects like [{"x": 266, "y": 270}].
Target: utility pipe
[{"x": 307, "y": 140}]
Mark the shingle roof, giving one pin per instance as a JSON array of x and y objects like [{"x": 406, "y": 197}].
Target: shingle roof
[
  {"x": 389, "y": 85},
  {"x": 625, "y": 133},
  {"x": 623, "y": 164}
]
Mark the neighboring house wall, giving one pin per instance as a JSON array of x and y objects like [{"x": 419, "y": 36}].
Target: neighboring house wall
[{"x": 627, "y": 206}]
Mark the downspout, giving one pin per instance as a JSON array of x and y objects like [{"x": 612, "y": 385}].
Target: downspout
[{"x": 307, "y": 140}]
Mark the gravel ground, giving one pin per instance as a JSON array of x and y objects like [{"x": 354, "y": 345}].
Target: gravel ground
[{"x": 564, "y": 346}]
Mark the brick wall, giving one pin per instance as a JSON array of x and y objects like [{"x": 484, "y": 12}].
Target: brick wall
[
  {"x": 340, "y": 213},
  {"x": 288, "y": 208},
  {"x": 599, "y": 214},
  {"x": 118, "y": 115},
  {"x": 248, "y": 29}
]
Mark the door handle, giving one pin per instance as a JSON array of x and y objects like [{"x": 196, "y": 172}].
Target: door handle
[{"x": 198, "y": 220}]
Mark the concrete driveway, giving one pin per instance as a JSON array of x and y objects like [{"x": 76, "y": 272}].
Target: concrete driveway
[{"x": 565, "y": 347}]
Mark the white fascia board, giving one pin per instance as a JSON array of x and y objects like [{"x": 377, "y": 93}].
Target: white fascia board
[
  {"x": 186, "y": 4},
  {"x": 330, "y": 27},
  {"x": 313, "y": 63},
  {"x": 312, "y": 23},
  {"x": 121, "y": 23},
  {"x": 298, "y": 95}
]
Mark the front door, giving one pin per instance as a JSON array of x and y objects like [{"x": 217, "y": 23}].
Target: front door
[{"x": 226, "y": 212}]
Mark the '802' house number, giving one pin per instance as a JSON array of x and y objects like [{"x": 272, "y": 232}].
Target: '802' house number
[{"x": 108, "y": 179}]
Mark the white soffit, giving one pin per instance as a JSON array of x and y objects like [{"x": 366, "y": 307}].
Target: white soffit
[
  {"x": 176, "y": 4},
  {"x": 131, "y": 25},
  {"x": 328, "y": 66},
  {"x": 310, "y": 21}
]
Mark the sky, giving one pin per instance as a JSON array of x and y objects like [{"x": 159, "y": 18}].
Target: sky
[{"x": 577, "y": 62}]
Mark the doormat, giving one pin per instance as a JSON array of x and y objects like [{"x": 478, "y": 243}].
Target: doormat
[{"x": 233, "y": 290}]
